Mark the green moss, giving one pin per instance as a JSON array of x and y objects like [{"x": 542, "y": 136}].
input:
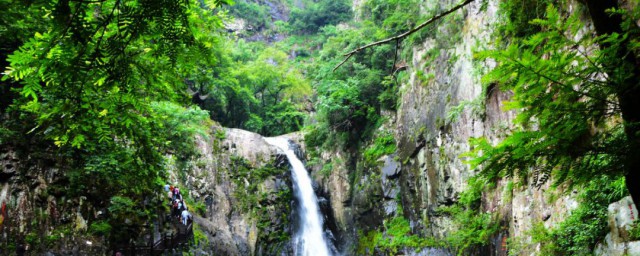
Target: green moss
[
  {"x": 367, "y": 242},
  {"x": 507, "y": 193}
]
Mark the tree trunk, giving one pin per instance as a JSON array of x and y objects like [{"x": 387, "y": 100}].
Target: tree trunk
[{"x": 628, "y": 91}]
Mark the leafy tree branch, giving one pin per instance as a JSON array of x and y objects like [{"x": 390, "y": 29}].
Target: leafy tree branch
[{"x": 405, "y": 34}]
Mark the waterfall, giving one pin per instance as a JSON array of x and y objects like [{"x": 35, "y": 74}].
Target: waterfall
[{"x": 309, "y": 239}]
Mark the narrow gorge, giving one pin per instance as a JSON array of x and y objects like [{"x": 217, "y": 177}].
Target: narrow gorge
[{"x": 320, "y": 127}]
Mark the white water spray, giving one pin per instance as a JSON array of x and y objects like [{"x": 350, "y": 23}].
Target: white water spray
[{"x": 309, "y": 240}]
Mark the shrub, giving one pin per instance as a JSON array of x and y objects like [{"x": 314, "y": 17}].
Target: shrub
[
  {"x": 100, "y": 228},
  {"x": 384, "y": 144}
]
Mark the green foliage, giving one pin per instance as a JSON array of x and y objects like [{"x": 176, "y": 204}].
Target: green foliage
[
  {"x": 96, "y": 83},
  {"x": 423, "y": 78},
  {"x": 538, "y": 234},
  {"x": 180, "y": 125},
  {"x": 388, "y": 97},
  {"x": 351, "y": 98},
  {"x": 384, "y": 144},
  {"x": 326, "y": 170},
  {"x": 256, "y": 15},
  {"x": 254, "y": 88},
  {"x": 123, "y": 208},
  {"x": 586, "y": 225},
  {"x": 476, "y": 107},
  {"x": 220, "y": 134},
  {"x": 199, "y": 207},
  {"x": 565, "y": 125},
  {"x": 249, "y": 180},
  {"x": 52, "y": 240},
  {"x": 634, "y": 231},
  {"x": 319, "y": 14},
  {"x": 397, "y": 235},
  {"x": 100, "y": 228},
  {"x": 6, "y": 135},
  {"x": 31, "y": 239},
  {"x": 516, "y": 16},
  {"x": 315, "y": 136},
  {"x": 199, "y": 236},
  {"x": 473, "y": 227},
  {"x": 393, "y": 16},
  {"x": 263, "y": 204}
]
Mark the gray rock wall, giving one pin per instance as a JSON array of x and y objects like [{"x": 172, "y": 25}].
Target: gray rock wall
[
  {"x": 214, "y": 179},
  {"x": 36, "y": 206},
  {"x": 36, "y": 216},
  {"x": 428, "y": 171}
]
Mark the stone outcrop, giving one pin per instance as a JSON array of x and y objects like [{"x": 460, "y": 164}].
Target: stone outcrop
[
  {"x": 213, "y": 179},
  {"x": 31, "y": 194},
  {"x": 35, "y": 209},
  {"x": 622, "y": 215}
]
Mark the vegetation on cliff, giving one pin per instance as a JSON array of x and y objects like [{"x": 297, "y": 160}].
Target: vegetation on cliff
[
  {"x": 571, "y": 90},
  {"x": 96, "y": 88},
  {"x": 103, "y": 90}
]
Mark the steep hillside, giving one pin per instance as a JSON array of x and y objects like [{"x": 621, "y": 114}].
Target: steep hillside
[{"x": 409, "y": 186}]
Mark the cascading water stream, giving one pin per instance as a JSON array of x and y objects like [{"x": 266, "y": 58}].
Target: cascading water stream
[{"x": 309, "y": 239}]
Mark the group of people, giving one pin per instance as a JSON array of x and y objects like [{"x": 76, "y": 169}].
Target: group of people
[{"x": 178, "y": 207}]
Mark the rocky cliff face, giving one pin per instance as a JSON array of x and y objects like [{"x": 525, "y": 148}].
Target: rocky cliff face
[
  {"x": 428, "y": 172},
  {"x": 245, "y": 187},
  {"x": 238, "y": 188},
  {"x": 622, "y": 214},
  {"x": 37, "y": 216}
]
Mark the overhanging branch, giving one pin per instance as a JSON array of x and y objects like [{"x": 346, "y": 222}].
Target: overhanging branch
[{"x": 405, "y": 34}]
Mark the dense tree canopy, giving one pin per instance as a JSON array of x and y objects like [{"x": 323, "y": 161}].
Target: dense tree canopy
[
  {"x": 319, "y": 14},
  {"x": 572, "y": 122},
  {"x": 104, "y": 89},
  {"x": 95, "y": 82}
]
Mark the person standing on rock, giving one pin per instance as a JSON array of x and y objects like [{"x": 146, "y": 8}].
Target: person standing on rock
[{"x": 185, "y": 216}]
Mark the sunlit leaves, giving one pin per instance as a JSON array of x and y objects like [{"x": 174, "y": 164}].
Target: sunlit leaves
[
  {"x": 259, "y": 90},
  {"x": 93, "y": 80}
]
